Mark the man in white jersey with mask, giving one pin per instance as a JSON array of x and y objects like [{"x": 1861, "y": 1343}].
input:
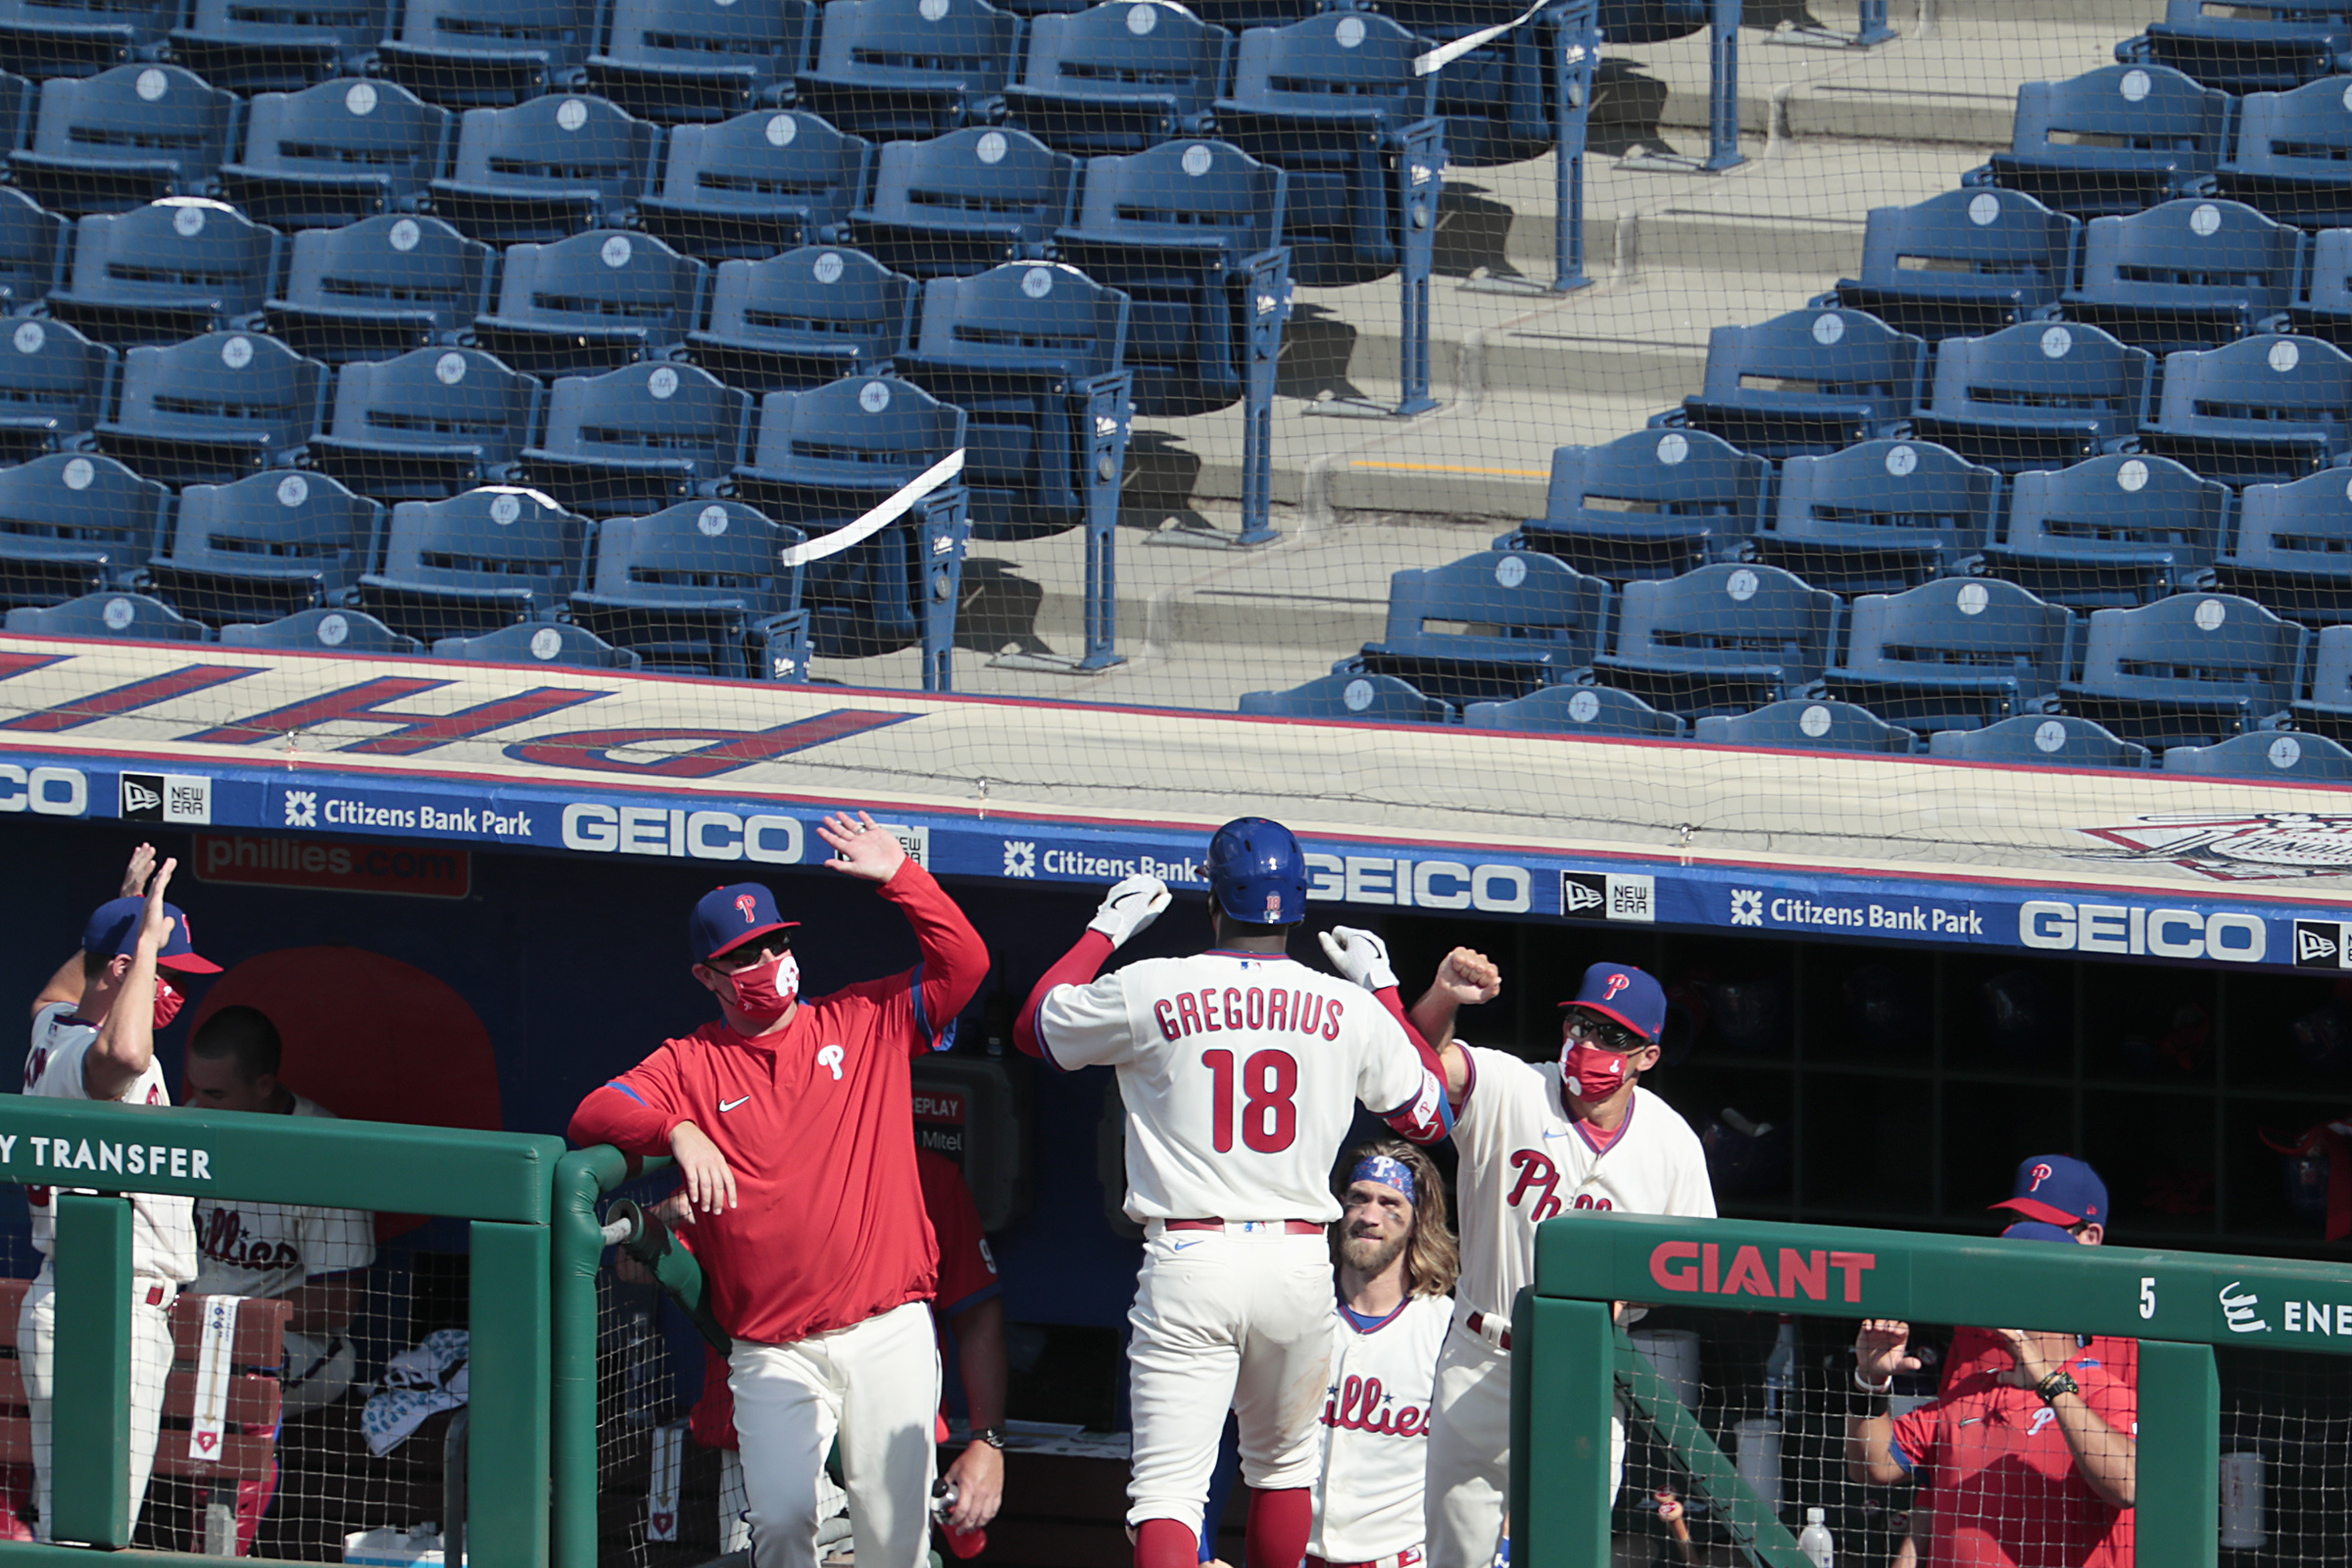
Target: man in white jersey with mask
[
  {"x": 1396, "y": 1261},
  {"x": 1578, "y": 1136},
  {"x": 1239, "y": 1070},
  {"x": 93, "y": 1037}
]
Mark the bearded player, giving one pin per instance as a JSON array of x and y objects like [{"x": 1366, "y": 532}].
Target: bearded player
[
  {"x": 788, "y": 1121},
  {"x": 1239, "y": 1070}
]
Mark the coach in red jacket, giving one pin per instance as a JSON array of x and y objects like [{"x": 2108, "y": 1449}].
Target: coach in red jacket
[{"x": 788, "y": 1122}]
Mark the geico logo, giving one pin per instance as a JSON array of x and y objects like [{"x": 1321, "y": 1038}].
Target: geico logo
[
  {"x": 47, "y": 791},
  {"x": 1418, "y": 884},
  {"x": 693, "y": 835},
  {"x": 2228, "y": 934}
]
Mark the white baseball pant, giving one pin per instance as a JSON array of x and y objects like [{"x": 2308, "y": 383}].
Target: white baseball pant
[
  {"x": 876, "y": 1385},
  {"x": 1470, "y": 1451},
  {"x": 1239, "y": 1319},
  {"x": 150, "y": 1363},
  {"x": 734, "y": 1507}
]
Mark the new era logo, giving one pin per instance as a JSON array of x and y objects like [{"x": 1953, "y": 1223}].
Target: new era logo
[
  {"x": 180, "y": 798},
  {"x": 1583, "y": 892},
  {"x": 2319, "y": 944},
  {"x": 142, "y": 796},
  {"x": 1608, "y": 895}
]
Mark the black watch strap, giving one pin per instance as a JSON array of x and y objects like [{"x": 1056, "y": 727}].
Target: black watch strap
[
  {"x": 2057, "y": 1383},
  {"x": 994, "y": 1437}
]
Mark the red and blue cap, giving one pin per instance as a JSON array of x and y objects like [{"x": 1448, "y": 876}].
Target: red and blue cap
[
  {"x": 114, "y": 929},
  {"x": 2057, "y": 1189},
  {"x": 1624, "y": 995},
  {"x": 729, "y": 916}
]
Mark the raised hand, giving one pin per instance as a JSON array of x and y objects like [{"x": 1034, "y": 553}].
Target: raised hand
[
  {"x": 154, "y": 926},
  {"x": 134, "y": 875},
  {"x": 1881, "y": 1349},
  {"x": 1132, "y": 903},
  {"x": 1359, "y": 956},
  {"x": 861, "y": 848},
  {"x": 1469, "y": 977}
]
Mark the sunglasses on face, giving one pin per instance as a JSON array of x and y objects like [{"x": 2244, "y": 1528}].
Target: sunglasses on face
[
  {"x": 1603, "y": 1034},
  {"x": 738, "y": 960}
]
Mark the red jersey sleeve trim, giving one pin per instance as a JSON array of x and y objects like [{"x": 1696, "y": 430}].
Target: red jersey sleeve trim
[{"x": 1076, "y": 967}]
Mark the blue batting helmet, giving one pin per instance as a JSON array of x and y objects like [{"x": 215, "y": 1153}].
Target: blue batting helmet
[{"x": 1258, "y": 872}]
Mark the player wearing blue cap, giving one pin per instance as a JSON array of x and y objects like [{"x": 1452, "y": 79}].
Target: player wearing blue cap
[{"x": 1239, "y": 1070}]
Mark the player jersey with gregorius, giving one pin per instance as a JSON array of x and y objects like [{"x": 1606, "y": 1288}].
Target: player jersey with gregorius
[
  {"x": 1525, "y": 1158},
  {"x": 1368, "y": 1499},
  {"x": 162, "y": 1231},
  {"x": 1237, "y": 1070}
]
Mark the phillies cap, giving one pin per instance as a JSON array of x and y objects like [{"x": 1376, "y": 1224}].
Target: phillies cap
[
  {"x": 2036, "y": 1230},
  {"x": 2058, "y": 1189},
  {"x": 729, "y": 916},
  {"x": 114, "y": 930},
  {"x": 1625, "y": 994}
]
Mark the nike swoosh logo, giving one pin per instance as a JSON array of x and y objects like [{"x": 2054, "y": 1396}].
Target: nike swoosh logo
[
  {"x": 1177, "y": 1247},
  {"x": 730, "y": 1105},
  {"x": 1558, "y": 1135}
]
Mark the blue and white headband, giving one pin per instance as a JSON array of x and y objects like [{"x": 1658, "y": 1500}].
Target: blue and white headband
[{"x": 1387, "y": 1172}]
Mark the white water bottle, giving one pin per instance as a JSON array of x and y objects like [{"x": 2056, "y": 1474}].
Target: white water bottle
[{"x": 1814, "y": 1539}]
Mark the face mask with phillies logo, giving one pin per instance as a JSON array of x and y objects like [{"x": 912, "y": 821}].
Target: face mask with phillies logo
[
  {"x": 1591, "y": 1073},
  {"x": 765, "y": 992},
  {"x": 168, "y": 1001}
]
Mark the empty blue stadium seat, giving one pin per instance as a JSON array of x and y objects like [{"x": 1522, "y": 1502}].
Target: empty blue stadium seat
[
  {"x": 1880, "y": 516},
  {"x": 337, "y": 153},
  {"x": 46, "y": 38},
  {"x": 547, "y": 169},
  {"x": 2267, "y": 756},
  {"x": 591, "y": 303},
  {"x": 467, "y": 54},
  {"x": 2261, "y": 410},
  {"x": 1190, "y": 232},
  {"x": 1489, "y": 627},
  {"x": 265, "y": 547},
  {"x": 1956, "y": 654},
  {"x": 215, "y": 408},
  {"x": 1720, "y": 639},
  {"x": 2117, "y": 530},
  {"x": 825, "y": 459},
  {"x": 638, "y": 439},
  {"x": 137, "y": 618},
  {"x": 1576, "y": 710},
  {"x": 1802, "y": 724},
  {"x": 2293, "y": 157},
  {"x": 2037, "y": 395},
  {"x": 1626, "y": 21},
  {"x": 904, "y": 69},
  {"x": 256, "y": 46},
  {"x": 1652, "y": 504},
  {"x": 2044, "y": 740},
  {"x": 2327, "y": 313},
  {"x": 2187, "y": 670},
  {"x": 1233, "y": 16},
  {"x": 678, "y": 61},
  {"x": 381, "y": 288},
  {"x": 755, "y": 186},
  {"x": 123, "y": 138},
  {"x": 1334, "y": 100},
  {"x": 699, "y": 588},
  {"x": 2240, "y": 48},
  {"x": 1811, "y": 381},
  {"x": 966, "y": 202},
  {"x": 2187, "y": 275},
  {"x": 2113, "y": 140},
  {"x": 18, "y": 99},
  {"x": 2294, "y": 550},
  {"x": 1366, "y": 698},
  {"x": 1495, "y": 98},
  {"x": 331, "y": 631},
  {"x": 1119, "y": 77},
  {"x": 55, "y": 386},
  {"x": 74, "y": 523},
  {"x": 538, "y": 642},
  {"x": 2328, "y": 710},
  {"x": 33, "y": 245},
  {"x": 475, "y": 563},
  {"x": 165, "y": 272},
  {"x": 429, "y": 424},
  {"x": 1964, "y": 264},
  {"x": 803, "y": 318}
]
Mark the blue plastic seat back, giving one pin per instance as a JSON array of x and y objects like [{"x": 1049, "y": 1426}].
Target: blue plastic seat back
[
  {"x": 2122, "y": 118},
  {"x": 1992, "y": 390},
  {"x": 1967, "y": 628},
  {"x": 2047, "y": 740},
  {"x": 1362, "y": 698},
  {"x": 435, "y": 399},
  {"x": 1804, "y": 724},
  {"x": 327, "y": 630},
  {"x": 2246, "y": 49},
  {"x": 338, "y": 152},
  {"x": 2293, "y": 157},
  {"x": 137, "y": 618},
  {"x": 858, "y": 435},
  {"x": 265, "y": 545},
  {"x": 2196, "y": 645},
  {"x": 55, "y": 385},
  {"x": 1495, "y": 98},
  {"x": 1887, "y": 495},
  {"x": 544, "y": 642},
  {"x": 1967, "y": 261},
  {"x": 1322, "y": 68},
  {"x": 604, "y": 280},
  {"x": 2251, "y": 396},
  {"x": 705, "y": 553},
  {"x": 1120, "y": 76},
  {"x": 72, "y": 523},
  {"x": 1575, "y": 711},
  {"x": 964, "y": 202},
  {"x": 2301, "y": 528},
  {"x": 1185, "y": 195},
  {"x": 898, "y": 69},
  {"x": 678, "y": 413},
  {"x": 2186, "y": 272},
  {"x": 462, "y": 52},
  {"x": 1812, "y": 380},
  {"x": 804, "y": 319},
  {"x": 1503, "y": 606},
  {"x": 2117, "y": 504},
  {"x": 756, "y": 184},
  {"x": 2270, "y": 756},
  {"x": 2330, "y": 286},
  {"x": 259, "y": 46},
  {"x": 34, "y": 244},
  {"x": 120, "y": 139},
  {"x": 380, "y": 286},
  {"x": 80, "y": 37},
  {"x": 495, "y": 538},
  {"x": 234, "y": 386},
  {"x": 701, "y": 59},
  {"x": 1029, "y": 318},
  {"x": 167, "y": 270},
  {"x": 1728, "y": 616},
  {"x": 557, "y": 143},
  {"x": 1652, "y": 504},
  {"x": 2332, "y": 667}
]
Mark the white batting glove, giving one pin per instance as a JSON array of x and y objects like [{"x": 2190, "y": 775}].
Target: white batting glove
[
  {"x": 1130, "y": 905},
  {"x": 1359, "y": 956}
]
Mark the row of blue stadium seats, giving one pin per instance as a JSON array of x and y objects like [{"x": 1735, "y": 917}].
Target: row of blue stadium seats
[{"x": 2244, "y": 49}]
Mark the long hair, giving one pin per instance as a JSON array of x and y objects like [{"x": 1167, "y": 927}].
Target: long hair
[{"x": 1433, "y": 1260}]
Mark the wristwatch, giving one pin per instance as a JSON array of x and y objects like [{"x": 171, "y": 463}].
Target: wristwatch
[
  {"x": 2057, "y": 1383},
  {"x": 994, "y": 1437}
]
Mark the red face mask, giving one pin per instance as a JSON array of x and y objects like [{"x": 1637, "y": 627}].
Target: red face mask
[
  {"x": 1591, "y": 1073},
  {"x": 168, "y": 1002},
  {"x": 765, "y": 992}
]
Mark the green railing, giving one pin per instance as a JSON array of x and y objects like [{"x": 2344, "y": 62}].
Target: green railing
[{"x": 1569, "y": 1362}]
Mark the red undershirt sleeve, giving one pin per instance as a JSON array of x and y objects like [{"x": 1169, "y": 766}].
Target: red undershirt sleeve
[{"x": 1076, "y": 967}]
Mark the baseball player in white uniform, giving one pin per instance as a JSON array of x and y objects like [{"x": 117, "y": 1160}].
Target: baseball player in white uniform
[
  {"x": 93, "y": 1037},
  {"x": 1238, "y": 1070},
  {"x": 1396, "y": 1261},
  {"x": 1579, "y": 1136}
]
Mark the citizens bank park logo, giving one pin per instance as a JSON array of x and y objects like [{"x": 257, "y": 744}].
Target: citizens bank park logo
[{"x": 2239, "y": 847}]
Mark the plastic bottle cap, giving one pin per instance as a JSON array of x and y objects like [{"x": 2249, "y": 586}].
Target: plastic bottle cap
[{"x": 1814, "y": 1516}]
